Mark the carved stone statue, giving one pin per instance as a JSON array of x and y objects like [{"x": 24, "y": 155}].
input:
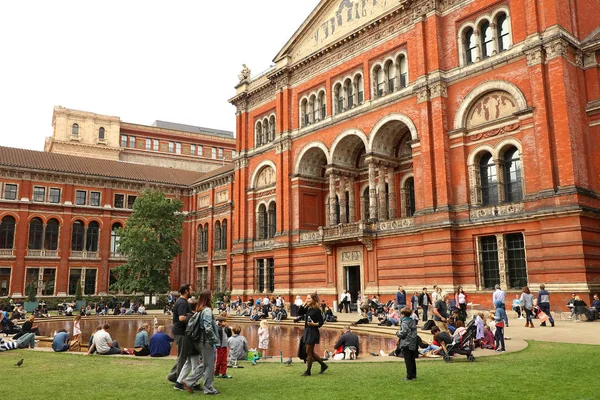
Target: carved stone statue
[{"x": 245, "y": 74}]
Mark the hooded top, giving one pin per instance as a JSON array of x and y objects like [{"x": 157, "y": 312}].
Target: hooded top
[{"x": 408, "y": 334}]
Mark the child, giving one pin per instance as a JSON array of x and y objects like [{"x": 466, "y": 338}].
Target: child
[
  {"x": 263, "y": 337},
  {"x": 499, "y": 318},
  {"x": 408, "y": 343},
  {"x": 480, "y": 328},
  {"x": 238, "y": 345},
  {"x": 222, "y": 349},
  {"x": 76, "y": 329},
  {"x": 451, "y": 325},
  {"x": 488, "y": 339}
]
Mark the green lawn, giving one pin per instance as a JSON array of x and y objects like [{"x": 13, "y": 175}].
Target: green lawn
[{"x": 542, "y": 371}]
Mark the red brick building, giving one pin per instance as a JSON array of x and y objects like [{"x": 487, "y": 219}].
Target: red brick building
[
  {"x": 422, "y": 142},
  {"x": 411, "y": 142}
]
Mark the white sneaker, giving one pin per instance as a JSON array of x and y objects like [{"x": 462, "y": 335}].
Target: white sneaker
[
  {"x": 521, "y": 318},
  {"x": 381, "y": 353}
]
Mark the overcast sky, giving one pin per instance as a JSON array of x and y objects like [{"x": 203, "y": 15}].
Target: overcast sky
[{"x": 139, "y": 60}]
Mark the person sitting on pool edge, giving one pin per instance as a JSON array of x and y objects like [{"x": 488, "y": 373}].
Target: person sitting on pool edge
[
  {"x": 60, "y": 342},
  {"x": 160, "y": 343},
  {"x": 347, "y": 345},
  {"x": 103, "y": 343}
]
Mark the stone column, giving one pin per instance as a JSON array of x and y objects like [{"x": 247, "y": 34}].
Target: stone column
[
  {"x": 502, "y": 261},
  {"x": 392, "y": 193},
  {"x": 495, "y": 42},
  {"x": 85, "y": 238},
  {"x": 372, "y": 192},
  {"x": 352, "y": 201},
  {"x": 343, "y": 216},
  {"x": 332, "y": 200},
  {"x": 383, "y": 214},
  {"x": 404, "y": 208},
  {"x": 44, "y": 236}
]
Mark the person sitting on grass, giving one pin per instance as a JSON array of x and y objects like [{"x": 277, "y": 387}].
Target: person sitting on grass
[
  {"x": 160, "y": 343},
  {"x": 488, "y": 339},
  {"x": 103, "y": 343},
  {"x": 27, "y": 340},
  {"x": 438, "y": 345},
  {"x": 60, "y": 342},
  {"x": 238, "y": 345},
  {"x": 141, "y": 341}
]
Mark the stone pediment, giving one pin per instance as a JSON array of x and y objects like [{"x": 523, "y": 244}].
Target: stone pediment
[{"x": 333, "y": 20}]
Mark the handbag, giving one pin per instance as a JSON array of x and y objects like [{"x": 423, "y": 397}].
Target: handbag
[{"x": 542, "y": 316}]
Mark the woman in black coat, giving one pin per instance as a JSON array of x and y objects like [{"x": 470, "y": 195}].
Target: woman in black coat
[{"x": 313, "y": 320}]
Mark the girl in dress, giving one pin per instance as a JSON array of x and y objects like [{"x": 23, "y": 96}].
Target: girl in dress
[
  {"x": 263, "y": 337},
  {"x": 76, "y": 329}
]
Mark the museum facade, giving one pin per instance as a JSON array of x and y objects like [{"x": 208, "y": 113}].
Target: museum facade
[{"x": 407, "y": 142}]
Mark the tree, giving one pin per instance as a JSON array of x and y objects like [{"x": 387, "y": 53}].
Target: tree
[
  {"x": 150, "y": 241},
  {"x": 78, "y": 291},
  {"x": 31, "y": 293}
]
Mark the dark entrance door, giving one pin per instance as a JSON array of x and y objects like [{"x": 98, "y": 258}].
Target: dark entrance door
[{"x": 352, "y": 281}]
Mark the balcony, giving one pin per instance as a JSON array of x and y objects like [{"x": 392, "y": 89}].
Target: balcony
[
  {"x": 7, "y": 253},
  {"x": 84, "y": 254},
  {"x": 500, "y": 210},
  {"x": 263, "y": 244},
  {"x": 220, "y": 255},
  {"x": 42, "y": 253}
]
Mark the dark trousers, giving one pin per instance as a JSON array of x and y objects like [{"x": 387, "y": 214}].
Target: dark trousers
[
  {"x": 181, "y": 342},
  {"x": 424, "y": 312},
  {"x": 499, "y": 336},
  {"x": 545, "y": 307},
  {"x": 410, "y": 359}
]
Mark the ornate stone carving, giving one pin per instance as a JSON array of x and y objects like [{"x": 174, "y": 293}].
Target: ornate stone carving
[
  {"x": 535, "y": 56},
  {"x": 590, "y": 60},
  {"x": 265, "y": 178},
  {"x": 422, "y": 94},
  {"x": 490, "y": 107},
  {"x": 311, "y": 236},
  {"x": 495, "y": 132},
  {"x": 499, "y": 210},
  {"x": 245, "y": 75},
  {"x": 203, "y": 201},
  {"x": 222, "y": 196},
  {"x": 240, "y": 163},
  {"x": 397, "y": 224},
  {"x": 557, "y": 48},
  {"x": 368, "y": 242},
  {"x": 438, "y": 89},
  {"x": 262, "y": 244},
  {"x": 283, "y": 145}
]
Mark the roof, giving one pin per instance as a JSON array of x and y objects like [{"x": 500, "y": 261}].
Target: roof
[
  {"x": 216, "y": 172},
  {"x": 93, "y": 167},
  {"x": 192, "y": 129}
]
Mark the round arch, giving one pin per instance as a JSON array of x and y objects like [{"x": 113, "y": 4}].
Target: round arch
[
  {"x": 476, "y": 152},
  {"x": 489, "y": 86},
  {"x": 345, "y": 134},
  {"x": 305, "y": 149},
  {"x": 412, "y": 128},
  {"x": 508, "y": 142},
  {"x": 258, "y": 168}
]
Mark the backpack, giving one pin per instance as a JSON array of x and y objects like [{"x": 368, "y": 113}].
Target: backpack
[
  {"x": 195, "y": 328},
  {"x": 428, "y": 325}
]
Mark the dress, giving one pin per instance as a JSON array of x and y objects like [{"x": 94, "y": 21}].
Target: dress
[
  {"x": 311, "y": 333},
  {"x": 76, "y": 329},
  {"x": 263, "y": 338}
]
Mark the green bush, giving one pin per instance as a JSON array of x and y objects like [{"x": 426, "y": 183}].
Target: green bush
[
  {"x": 31, "y": 293},
  {"x": 78, "y": 291}
]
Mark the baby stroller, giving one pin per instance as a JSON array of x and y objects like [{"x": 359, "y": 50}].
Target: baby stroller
[{"x": 465, "y": 345}]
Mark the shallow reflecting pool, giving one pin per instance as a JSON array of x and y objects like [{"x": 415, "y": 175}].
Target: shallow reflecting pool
[{"x": 284, "y": 338}]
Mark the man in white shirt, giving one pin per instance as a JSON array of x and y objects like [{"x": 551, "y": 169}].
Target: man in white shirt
[
  {"x": 434, "y": 294},
  {"x": 498, "y": 299},
  {"x": 278, "y": 301},
  {"x": 104, "y": 344}
]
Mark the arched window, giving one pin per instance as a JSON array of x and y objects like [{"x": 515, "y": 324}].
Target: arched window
[
  {"x": 489, "y": 180},
  {"x": 323, "y": 104},
  {"x": 261, "y": 222},
  {"x": 487, "y": 40},
  {"x": 217, "y": 235},
  {"x": 200, "y": 242},
  {"x": 51, "y": 237},
  {"x": 513, "y": 189},
  {"x": 205, "y": 247},
  {"x": 101, "y": 133},
  {"x": 380, "y": 74},
  {"x": 224, "y": 235},
  {"x": 337, "y": 209},
  {"x": 36, "y": 232},
  {"x": 272, "y": 125},
  {"x": 266, "y": 129},
  {"x": 304, "y": 113},
  {"x": 92, "y": 235},
  {"x": 339, "y": 98},
  {"x": 258, "y": 134},
  {"x": 409, "y": 197},
  {"x": 7, "y": 232},
  {"x": 314, "y": 108},
  {"x": 470, "y": 45},
  {"x": 391, "y": 76},
  {"x": 114, "y": 239},
  {"x": 502, "y": 26},
  {"x": 403, "y": 67},
  {"x": 348, "y": 87},
  {"x": 359, "y": 89},
  {"x": 75, "y": 130},
  {"x": 77, "y": 236},
  {"x": 272, "y": 220}
]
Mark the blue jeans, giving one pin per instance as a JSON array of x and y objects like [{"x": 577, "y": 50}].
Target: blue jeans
[
  {"x": 424, "y": 313},
  {"x": 545, "y": 307},
  {"x": 393, "y": 321},
  {"x": 27, "y": 340}
]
